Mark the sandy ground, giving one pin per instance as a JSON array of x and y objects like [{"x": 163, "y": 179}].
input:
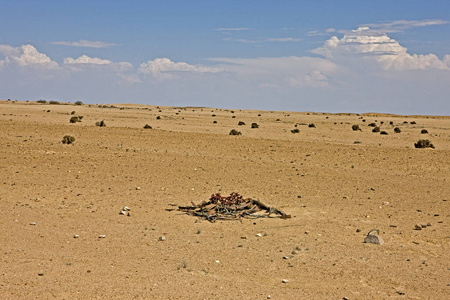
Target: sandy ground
[{"x": 62, "y": 237}]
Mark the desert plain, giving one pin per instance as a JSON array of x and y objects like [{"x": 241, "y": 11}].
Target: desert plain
[{"x": 62, "y": 237}]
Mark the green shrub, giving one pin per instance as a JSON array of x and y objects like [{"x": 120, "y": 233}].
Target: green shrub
[
  {"x": 54, "y": 102},
  {"x": 255, "y": 125},
  {"x": 42, "y": 101},
  {"x": 241, "y": 123},
  {"x": 78, "y": 103},
  {"x": 424, "y": 131}
]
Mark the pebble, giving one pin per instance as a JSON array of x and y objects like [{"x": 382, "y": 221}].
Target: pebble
[
  {"x": 259, "y": 234},
  {"x": 102, "y": 236},
  {"x": 284, "y": 281},
  {"x": 32, "y": 223},
  {"x": 76, "y": 236},
  {"x": 138, "y": 188},
  {"x": 417, "y": 227},
  {"x": 162, "y": 238},
  {"x": 373, "y": 239}
]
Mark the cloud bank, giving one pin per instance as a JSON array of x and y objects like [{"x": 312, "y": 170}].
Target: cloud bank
[
  {"x": 359, "y": 71},
  {"x": 84, "y": 43}
]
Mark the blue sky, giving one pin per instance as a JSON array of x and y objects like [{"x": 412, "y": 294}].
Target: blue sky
[{"x": 326, "y": 56}]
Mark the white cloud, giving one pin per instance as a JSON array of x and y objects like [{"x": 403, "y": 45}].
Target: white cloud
[
  {"x": 287, "y": 39},
  {"x": 377, "y": 48},
  {"x": 85, "y": 43},
  {"x": 402, "y": 25},
  {"x": 314, "y": 79},
  {"x": 26, "y": 55},
  {"x": 164, "y": 68},
  {"x": 84, "y": 59}
]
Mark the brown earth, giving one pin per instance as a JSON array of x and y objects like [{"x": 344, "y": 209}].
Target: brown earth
[{"x": 58, "y": 200}]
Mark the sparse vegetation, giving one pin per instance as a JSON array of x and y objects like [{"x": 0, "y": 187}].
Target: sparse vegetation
[
  {"x": 376, "y": 129},
  {"x": 424, "y": 131},
  {"x": 372, "y": 125},
  {"x": 241, "y": 123},
  {"x": 413, "y": 123},
  {"x": 312, "y": 125},
  {"x": 53, "y": 102},
  {"x": 296, "y": 130},
  {"x": 73, "y": 112},
  {"x": 42, "y": 101},
  {"x": 158, "y": 118},
  {"x": 384, "y": 132},
  {"x": 397, "y": 130},
  {"x": 235, "y": 132},
  {"x": 255, "y": 125},
  {"x": 68, "y": 139},
  {"x": 75, "y": 119},
  {"x": 78, "y": 103},
  {"x": 356, "y": 128},
  {"x": 423, "y": 144},
  {"x": 100, "y": 123},
  {"x": 214, "y": 122},
  {"x": 147, "y": 126}
]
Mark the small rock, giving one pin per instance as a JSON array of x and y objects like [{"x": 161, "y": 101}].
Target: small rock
[
  {"x": 373, "y": 238},
  {"x": 428, "y": 224},
  {"x": 102, "y": 236},
  {"x": 284, "y": 281},
  {"x": 295, "y": 251},
  {"x": 138, "y": 188},
  {"x": 285, "y": 257},
  {"x": 358, "y": 230},
  {"x": 40, "y": 274},
  {"x": 417, "y": 227},
  {"x": 76, "y": 236},
  {"x": 423, "y": 225},
  {"x": 259, "y": 234},
  {"x": 162, "y": 238},
  {"x": 33, "y": 223},
  {"x": 123, "y": 212}
]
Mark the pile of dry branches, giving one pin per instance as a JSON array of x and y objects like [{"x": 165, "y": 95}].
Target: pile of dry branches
[{"x": 233, "y": 207}]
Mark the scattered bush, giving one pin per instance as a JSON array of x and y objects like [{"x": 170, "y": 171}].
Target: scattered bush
[
  {"x": 424, "y": 131},
  {"x": 255, "y": 125},
  {"x": 356, "y": 127},
  {"x": 73, "y": 112},
  {"x": 241, "y": 123},
  {"x": 78, "y": 103},
  {"x": 397, "y": 130},
  {"x": 213, "y": 116},
  {"x": 42, "y": 101},
  {"x": 312, "y": 125},
  {"x": 376, "y": 129},
  {"x": 277, "y": 120},
  {"x": 235, "y": 132},
  {"x": 296, "y": 130},
  {"x": 100, "y": 123},
  {"x": 423, "y": 144},
  {"x": 259, "y": 115},
  {"x": 214, "y": 122},
  {"x": 54, "y": 102},
  {"x": 372, "y": 125},
  {"x": 384, "y": 133},
  {"x": 147, "y": 126},
  {"x": 391, "y": 123},
  {"x": 68, "y": 139},
  {"x": 233, "y": 117},
  {"x": 75, "y": 119},
  {"x": 413, "y": 123},
  {"x": 158, "y": 118}
]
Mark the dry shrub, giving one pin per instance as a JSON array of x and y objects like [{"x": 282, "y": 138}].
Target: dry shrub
[
  {"x": 255, "y": 125},
  {"x": 241, "y": 123},
  {"x": 296, "y": 130},
  {"x": 423, "y": 144},
  {"x": 424, "y": 131},
  {"x": 235, "y": 132},
  {"x": 397, "y": 130},
  {"x": 68, "y": 139},
  {"x": 147, "y": 126},
  {"x": 356, "y": 127},
  {"x": 100, "y": 123},
  {"x": 376, "y": 129}
]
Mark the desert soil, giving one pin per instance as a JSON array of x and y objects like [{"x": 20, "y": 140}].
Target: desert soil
[{"x": 62, "y": 237}]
